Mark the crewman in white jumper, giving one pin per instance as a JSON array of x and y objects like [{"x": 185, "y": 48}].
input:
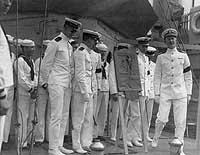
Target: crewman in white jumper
[
  {"x": 27, "y": 83},
  {"x": 173, "y": 86},
  {"x": 103, "y": 96},
  {"x": 149, "y": 104},
  {"x": 57, "y": 70}
]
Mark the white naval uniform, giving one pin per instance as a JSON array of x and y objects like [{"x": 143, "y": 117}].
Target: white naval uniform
[
  {"x": 96, "y": 80},
  {"x": 57, "y": 71},
  {"x": 134, "y": 123},
  {"x": 102, "y": 101},
  {"x": 173, "y": 82},
  {"x": 6, "y": 73},
  {"x": 42, "y": 106},
  {"x": 10, "y": 100},
  {"x": 25, "y": 103},
  {"x": 82, "y": 110},
  {"x": 151, "y": 96}
]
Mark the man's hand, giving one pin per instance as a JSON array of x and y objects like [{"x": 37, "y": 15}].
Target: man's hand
[
  {"x": 86, "y": 97},
  {"x": 157, "y": 99},
  {"x": 188, "y": 98},
  {"x": 114, "y": 97}
]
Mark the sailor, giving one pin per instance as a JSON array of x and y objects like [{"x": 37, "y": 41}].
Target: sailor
[
  {"x": 149, "y": 104},
  {"x": 103, "y": 95},
  {"x": 173, "y": 86},
  {"x": 42, "y": 99},
  {"x": 27, "y": 83},
  {"x": 96, "y": 78},
  {"x": 134, "y": 123},
  {"x": 6, "y": 71},
  {"x": 82, "y": 105},
  {"x": 57, "y": 71}
]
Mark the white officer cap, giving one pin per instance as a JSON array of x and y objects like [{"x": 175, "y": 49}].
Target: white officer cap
[
  {"x": 10, "y": 38},
  {"x": 28, "y": 43},
  {"x": 45, "y": 42},
  {"x": 102, "y": 47},
  {"x": 143, "y": 40},
  {"x": 92, "y": 34},
  {"x": 170, "y": 32},
  {"x": 72, "y": 23}
]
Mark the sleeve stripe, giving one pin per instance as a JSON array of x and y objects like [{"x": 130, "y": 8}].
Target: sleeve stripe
[{"x": 187, "y": 69}]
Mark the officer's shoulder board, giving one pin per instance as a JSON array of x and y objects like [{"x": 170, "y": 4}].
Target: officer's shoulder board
[
  {"x": 58, "y": 39},
  {"x": 81, "y": 48}
]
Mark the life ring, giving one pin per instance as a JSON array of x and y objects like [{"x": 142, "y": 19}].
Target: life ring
[{"x": 194, "y": 19}]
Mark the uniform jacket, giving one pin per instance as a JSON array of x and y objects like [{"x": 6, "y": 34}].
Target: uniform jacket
[
  {"x": 5, "y": 61},
  {"x": 173, "y": 77},
  {"x": 57, "y": 64},
  {"x": 82, "y": 81},
  {"x": 24, "y": 76},
  {"x": 151, "y": 79},
  {"x": 143, "y": 64},
  {"x": 96, "y": 70}
]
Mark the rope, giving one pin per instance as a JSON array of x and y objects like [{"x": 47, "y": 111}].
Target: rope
[
  {"x": 35, "y": 119},
  {"x": 17, "y": 124}
]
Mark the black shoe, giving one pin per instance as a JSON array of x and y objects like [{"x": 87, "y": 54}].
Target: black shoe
[{"x": 101, "y": 138}]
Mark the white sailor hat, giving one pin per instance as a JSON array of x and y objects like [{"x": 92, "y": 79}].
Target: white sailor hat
[
  {"x": 92, "y": 34},
  {"x": 143, "y": 40},
  {"x": 17, "y": 41},
  {"x": 45, "y": 42},
  {"x": 10, "y": 38},
  {"x": 72, "y": 23},
  {"x": 102, "y": 47},
  {"x": 150, "y": 50},
  {"x": 170, "y": 32},
  {"x": 27, "y": 43}
]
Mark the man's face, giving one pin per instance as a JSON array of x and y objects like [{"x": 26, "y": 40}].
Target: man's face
[
  {"x": 143, "y": 48},
  {"x": 170, "y": 42},
  {"x": 4, "y": 6},
  {"x": 29, "y": 51},
  {"x": 69, "y": 31}
]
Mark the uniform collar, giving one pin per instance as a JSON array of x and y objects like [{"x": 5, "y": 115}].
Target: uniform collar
[
  {"x": 64, "y": 37},
  {"x": 171, "y": 51},
  {"x": 86, "y": 47}
]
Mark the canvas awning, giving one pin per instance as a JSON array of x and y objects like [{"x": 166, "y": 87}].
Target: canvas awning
[{"x": 131, "y": 18}]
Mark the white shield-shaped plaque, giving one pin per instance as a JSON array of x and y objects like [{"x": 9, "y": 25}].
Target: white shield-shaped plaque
[{"x": 127, "y": 70}]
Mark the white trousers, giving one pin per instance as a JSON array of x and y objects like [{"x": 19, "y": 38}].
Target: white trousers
[
  {"x": 180, "y": 114},
  {"x": 10, "y": 97},
  {"x": 25, "y": 116},
  {"x": 134, "y": 121},
  {"x": 114, "y": 117},
  {"x": 2, "y": 122},
  {"x": 42, "y": 109},
  {"x": 82, "y": 114},
  {"x": 102, "y": 110},
  {"x": 149, "y": 109},
  {"x": 59, "y": 98}
]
